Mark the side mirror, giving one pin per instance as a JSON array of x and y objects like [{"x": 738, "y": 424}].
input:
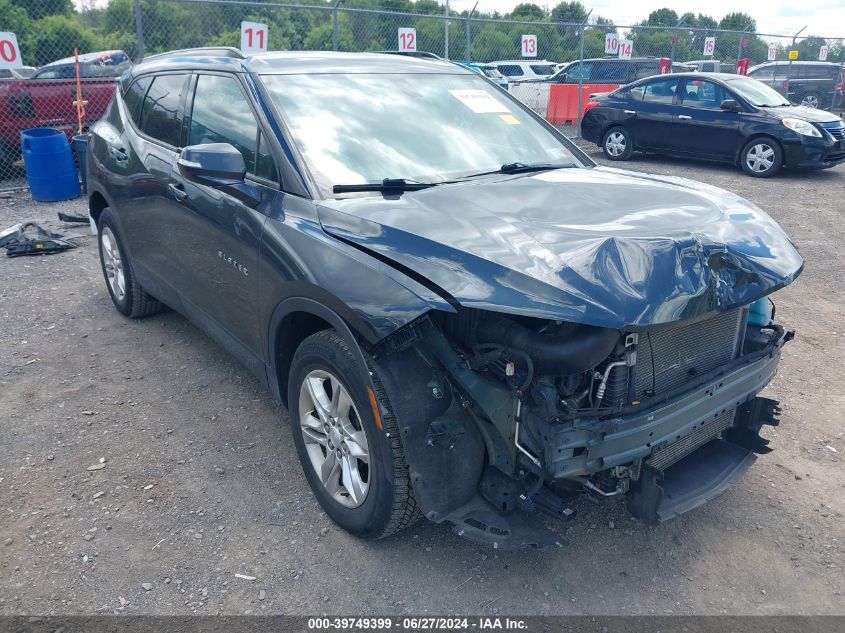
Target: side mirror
[
  {"x": 730, "y": 105},
  {"x": 221, "y": 166}
]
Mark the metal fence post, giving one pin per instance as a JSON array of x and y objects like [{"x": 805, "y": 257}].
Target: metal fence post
[
  {"x": 469, "y": 33},
  {"x": 581, "y": 74},
  {"x": 674, "y": 43},
  {"x": 139, "y": 30},
  {"x": 446, "y": 30},
  {"x": 789, "y": 66},
  {"x": 335, "y": 33}
]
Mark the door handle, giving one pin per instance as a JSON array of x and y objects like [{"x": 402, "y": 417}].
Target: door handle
[
  {"x": 629, "y": 111},
  {"x": 118, "y": 153},
  {"x": 177, "y": 191},
  {"x": 684, "y": 117}
]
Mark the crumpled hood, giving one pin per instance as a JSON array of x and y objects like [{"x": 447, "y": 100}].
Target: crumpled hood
[{"x": 599, "y": 246}]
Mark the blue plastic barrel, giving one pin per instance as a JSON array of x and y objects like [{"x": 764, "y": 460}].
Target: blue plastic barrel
[{"x": 50, "y": 171}]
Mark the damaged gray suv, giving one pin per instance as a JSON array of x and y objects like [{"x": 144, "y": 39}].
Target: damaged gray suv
[{"x": 465, "y": 317}]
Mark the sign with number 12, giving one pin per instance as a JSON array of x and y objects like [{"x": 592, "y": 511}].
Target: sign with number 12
[
  {"x": 407, "y": 39},
  {"x": 253, "y": 37}
]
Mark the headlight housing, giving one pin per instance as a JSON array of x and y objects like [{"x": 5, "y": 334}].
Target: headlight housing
[{"x": 802, "y": 127}]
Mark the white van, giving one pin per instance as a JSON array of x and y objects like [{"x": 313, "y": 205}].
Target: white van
[{"x": 522, "y": 69}]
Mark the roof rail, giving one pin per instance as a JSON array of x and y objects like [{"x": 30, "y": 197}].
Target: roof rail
[{"x": 210, "y": 51}]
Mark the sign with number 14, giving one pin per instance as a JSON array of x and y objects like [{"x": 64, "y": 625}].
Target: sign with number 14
[{"x": 626, "y": 47}]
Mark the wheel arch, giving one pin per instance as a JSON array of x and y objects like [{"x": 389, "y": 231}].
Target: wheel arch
[
  {"x": 97, "y": 202},
  {"x": 753, "y": 137},
  {"x": 294, "y": 320}
]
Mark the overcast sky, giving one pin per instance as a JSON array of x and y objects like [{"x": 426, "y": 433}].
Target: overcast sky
[{"x": 821, "y": 17}]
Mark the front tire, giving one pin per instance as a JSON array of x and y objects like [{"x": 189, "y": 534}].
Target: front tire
[
  {"x": 125, "y": 291},
  {"x": 761, "y": 157},
  {"x": 355, "y": 468},
  {"x": 617, "y": 143}
]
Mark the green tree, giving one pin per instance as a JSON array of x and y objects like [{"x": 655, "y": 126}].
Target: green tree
[
  {"x": 569, "y": 12},
  {"x": 38, "y": 9},
  {"x": 55, "y": 37},
  {"x": 662, "y": 17},
  {"x": 529, "y": 12}
]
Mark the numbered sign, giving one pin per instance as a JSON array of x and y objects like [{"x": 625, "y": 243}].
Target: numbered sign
[
  {"x": 626, "y": 47},
  {"x": 611, "y": 43},
  {"x": 709, "y": 45},
  {"x": 773, "y": 53},
  {"x": 529, "y": 46},
  {"x": 253, "y": 37},
  {"x": 10, "y": 54},
  {"x": 823, "y": 54},
  {"x": 407, "y": 39}
]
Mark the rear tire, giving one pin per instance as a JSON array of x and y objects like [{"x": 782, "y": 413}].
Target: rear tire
[
  {"x": 125, "y": 291},
  {"x": 356, "y": 470},
  {"x": 761, "y": 157},
  {"x": 809, "y": 100},
  {"x": 617, "y": 143}
]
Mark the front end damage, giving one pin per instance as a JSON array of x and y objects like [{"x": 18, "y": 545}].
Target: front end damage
[{"x": 502, "y": 416}]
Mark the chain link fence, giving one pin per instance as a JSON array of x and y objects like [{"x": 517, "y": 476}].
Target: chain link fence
[{"x": 110, "y": 35}]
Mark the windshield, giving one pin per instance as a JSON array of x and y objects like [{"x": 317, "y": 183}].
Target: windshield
[
  {"x": 756, "y": 93},
  {"x": 361, "y": 128}
]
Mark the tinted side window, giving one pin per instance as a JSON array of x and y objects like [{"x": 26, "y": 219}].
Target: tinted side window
[
  {"x": 820, "y": 72},
  {"x": 160, "y": 112},
  {"x": 134, "y": 96},
  {"x": 763, "y": 74},
  {"x": 662, "y": 91},
  {"x": 703, "y": 94},
  {"x": 221, "y": 114},
  {"x": 511, "y": 70},
  {"x": 645, "y": 69}
]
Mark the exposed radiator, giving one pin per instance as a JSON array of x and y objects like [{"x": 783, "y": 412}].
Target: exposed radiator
[
  {"x": 669, "y": 357},
  {"x": 708, "y": 431}
]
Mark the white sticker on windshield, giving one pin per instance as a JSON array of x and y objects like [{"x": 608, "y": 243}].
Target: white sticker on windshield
[{"x": 479, "y": 101}]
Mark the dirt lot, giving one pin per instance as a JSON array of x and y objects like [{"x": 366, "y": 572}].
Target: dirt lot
[{"x": 201, "y": 481}]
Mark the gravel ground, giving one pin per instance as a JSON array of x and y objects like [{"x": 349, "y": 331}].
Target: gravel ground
[{"x": 200, "y": 481}]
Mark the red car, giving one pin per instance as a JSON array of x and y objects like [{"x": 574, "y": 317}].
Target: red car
[{"x": 47, "y": 99}]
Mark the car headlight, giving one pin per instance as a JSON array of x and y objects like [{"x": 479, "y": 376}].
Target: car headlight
[{"x": 802, "y": 127}]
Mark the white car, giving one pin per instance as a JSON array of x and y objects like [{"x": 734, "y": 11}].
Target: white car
[{"x": 521, "y": 69}]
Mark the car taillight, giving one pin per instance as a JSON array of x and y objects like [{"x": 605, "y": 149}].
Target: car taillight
[
  {"x": 590, "y": 104},
  {"x": 784, "y": 86}
]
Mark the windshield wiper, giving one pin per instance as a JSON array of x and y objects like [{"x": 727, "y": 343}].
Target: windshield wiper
[
  {"x": 397, "y": 185},
  {"x": 523, "y": 168}
]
